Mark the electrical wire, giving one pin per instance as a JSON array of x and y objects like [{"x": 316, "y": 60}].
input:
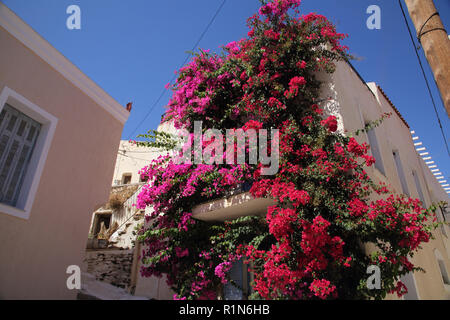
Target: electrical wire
[
  {"x": 131, "y": 151},
  {"x": 424, "y": 75},
  {"x": 125, "y": 155},
  {"x": 421, "y": 32},
  {"x": 184, "y": 62}
]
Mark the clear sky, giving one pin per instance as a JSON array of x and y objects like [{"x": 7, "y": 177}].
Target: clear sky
[{"x": 132, "y": 48}]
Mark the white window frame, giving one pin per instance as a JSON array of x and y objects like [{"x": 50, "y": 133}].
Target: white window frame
[{"x": 36, "y": 165}]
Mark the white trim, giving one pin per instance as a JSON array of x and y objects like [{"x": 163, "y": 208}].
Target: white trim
[
  {"x": 35, "y": 167},
  {"x": 25, "y": 34}
]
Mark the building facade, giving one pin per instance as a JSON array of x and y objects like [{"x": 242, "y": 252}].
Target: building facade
[
  {"x": 398, "y": 164},
  {"x": 59, "y": 136},
  {"x": 113, "y": 225}
]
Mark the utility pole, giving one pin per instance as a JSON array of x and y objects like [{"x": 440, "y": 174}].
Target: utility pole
[{"x": 435, "y": 43}]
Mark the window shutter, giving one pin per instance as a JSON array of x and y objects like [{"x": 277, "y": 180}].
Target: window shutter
[
  {"x": 18, "y": 173},
  {"x": 18, "y": 135},
  {"x": 4, "y": 139}
]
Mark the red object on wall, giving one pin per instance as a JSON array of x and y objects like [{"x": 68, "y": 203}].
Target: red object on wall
[{"x": 129, "y": 106}]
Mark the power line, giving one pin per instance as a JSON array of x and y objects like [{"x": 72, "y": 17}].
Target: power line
[
  {"x": 131, "y": 151},
  {"x": 424, "y": 76},
  {"x": 184, "y": 62},
  {"x": 125, "y": 155}
]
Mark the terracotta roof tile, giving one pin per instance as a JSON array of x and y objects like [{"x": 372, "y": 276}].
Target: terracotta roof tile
[{"x": 393, "y": 107}]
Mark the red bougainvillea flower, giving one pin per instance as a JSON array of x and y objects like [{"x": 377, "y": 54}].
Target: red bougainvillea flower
[
  {"x": 322, "y": 288},
  {"x": 330, "y": 123},
  {"x": 252, "y": 124},
  {"x": 308, "y": 244}
]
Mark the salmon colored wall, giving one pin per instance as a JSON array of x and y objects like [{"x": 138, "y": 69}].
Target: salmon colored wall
[{"x": 76, "y": 179}]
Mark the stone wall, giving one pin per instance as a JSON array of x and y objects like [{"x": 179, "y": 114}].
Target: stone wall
[{"x": 110, "y": 266}]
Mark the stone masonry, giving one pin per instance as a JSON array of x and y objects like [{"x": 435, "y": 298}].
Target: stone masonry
[{"x": 110, "y": 266}]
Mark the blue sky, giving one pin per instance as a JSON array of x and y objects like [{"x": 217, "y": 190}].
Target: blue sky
[{"x": 132, "y": 48}]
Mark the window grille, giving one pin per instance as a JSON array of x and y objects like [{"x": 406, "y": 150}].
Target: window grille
[{"x": 18, "y": 135}]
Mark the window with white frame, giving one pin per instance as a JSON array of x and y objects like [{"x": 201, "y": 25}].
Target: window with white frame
[
  {"x": 26, "y": 132},
  {"x": 18, "y": 135}
]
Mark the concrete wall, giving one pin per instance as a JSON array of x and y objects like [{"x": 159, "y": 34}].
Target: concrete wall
[{"x": 35, "y": 253}]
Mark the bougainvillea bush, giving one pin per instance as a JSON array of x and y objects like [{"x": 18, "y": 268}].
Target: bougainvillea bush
[{"x": 311, "y": 243}]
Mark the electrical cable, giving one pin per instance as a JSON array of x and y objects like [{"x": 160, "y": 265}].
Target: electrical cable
[
  {"x": 123, "y": 154},
  {"x": 421, "y": 33},
  {"x": 184, "y": 62},
  {"x": 424, "y": 75},
  {"x": 131, "y": 151}
]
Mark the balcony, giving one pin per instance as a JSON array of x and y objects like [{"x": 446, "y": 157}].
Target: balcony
[{"x": 232, "y": 207}]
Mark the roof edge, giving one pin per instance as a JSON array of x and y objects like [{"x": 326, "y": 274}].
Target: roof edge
[
  {"x": 42, "y": 48},
  {"x": 393, "y": 106}
]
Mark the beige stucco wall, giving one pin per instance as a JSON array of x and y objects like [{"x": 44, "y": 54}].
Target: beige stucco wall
[
  {"x": 354, "y": 103},
  {"x": 35, "y": 253},
  {"x": 131, "y": 158},
  {"x": 151, "y": 287}
]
